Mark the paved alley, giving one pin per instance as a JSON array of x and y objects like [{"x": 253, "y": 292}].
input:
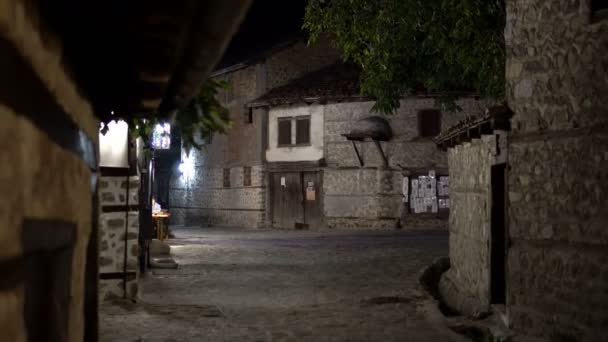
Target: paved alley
[{"x": 239, "y": 285}]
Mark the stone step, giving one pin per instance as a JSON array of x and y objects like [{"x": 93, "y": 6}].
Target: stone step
[{"x": 163, "y": 262}]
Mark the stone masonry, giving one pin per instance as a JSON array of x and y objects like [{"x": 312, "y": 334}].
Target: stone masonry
[
  {"x": 557, "y": 62},
  {"x": 118, "y": 230},
  {"x": 39, "y": 179},
  {"x": 370, "y": 196},
  {"x": 466, "y": 285}
]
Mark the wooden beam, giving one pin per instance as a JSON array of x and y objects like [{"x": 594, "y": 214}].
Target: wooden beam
[
  {"x": 379, "y": 147},
  {"x": 357, "y": 153}
]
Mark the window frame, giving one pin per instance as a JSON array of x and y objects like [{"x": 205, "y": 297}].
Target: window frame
[
  {"x": 226, "y": 177},
  {"x": 302, "y": 118},
  {"x": 293, "y": 130},
  {"x": 246, "y": 175},
  {"x": 279, "y": 121},
  {"x": 423, "y": 113}
]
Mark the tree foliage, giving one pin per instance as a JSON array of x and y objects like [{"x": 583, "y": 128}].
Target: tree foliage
[
  {"x": 203, "y": 116},
  {"x": 402, "y": 45}
]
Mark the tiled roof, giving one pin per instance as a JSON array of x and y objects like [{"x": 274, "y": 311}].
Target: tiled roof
[{"x": 339, "y": 81}]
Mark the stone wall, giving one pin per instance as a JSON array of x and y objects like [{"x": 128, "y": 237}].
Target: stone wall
[
  {"x": 557, "y": 62},
  {"x": 203, "y": 199},
  {"x": 118, "y": 230},
  {"x": 466, "y": 285},
  {"x": 39, "y": 178},
  {"x": 370, "y": 196}
]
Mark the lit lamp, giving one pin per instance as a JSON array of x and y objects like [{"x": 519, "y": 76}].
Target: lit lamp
[{"x": 186, "y": 167}]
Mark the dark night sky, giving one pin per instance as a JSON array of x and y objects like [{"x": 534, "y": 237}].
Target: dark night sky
[{"x": 268, "y": 23}]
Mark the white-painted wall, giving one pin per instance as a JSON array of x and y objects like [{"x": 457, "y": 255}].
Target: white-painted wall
[
  {"x": 296, "y": 153},
  {"x": 113, "y": 145}
]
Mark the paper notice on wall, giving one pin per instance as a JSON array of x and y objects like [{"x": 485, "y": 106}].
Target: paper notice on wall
[
  {"x": 414, "y": 188},
  {"x": 283, "y": 183},
  {"x": 434, "y": 204},
  {"x": 443, "y": 186},
  {"x": 421, "y": 186},
  {"x": 429, "y": 190},
  {"x": 428, "y": 201},
  {"x": 405, "y": 186},
  {"x": 311, "y": 194},
  {"x": 418, "y": 207},
  {"x": 422, "y": 206}
]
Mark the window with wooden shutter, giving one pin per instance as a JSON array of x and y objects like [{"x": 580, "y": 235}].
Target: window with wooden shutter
[
  {"x": 226, "y": 178},
  {"x": 247, "y": 176},
  {"x": 284, "y": 131},
  {"x": 429, "y": 122},
  {"x": 303, "y": 130}
]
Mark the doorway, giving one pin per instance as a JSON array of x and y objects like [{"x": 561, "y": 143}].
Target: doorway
[
  {"x": 498, "y": 249},
  {"x": 296, "y": 200}
]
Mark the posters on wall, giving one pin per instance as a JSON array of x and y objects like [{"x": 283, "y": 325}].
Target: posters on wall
[
  {"x": 443, "y": 186},
  {"x": 428, "y": 193}
]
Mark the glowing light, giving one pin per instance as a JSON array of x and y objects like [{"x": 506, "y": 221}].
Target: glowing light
[
  {"x": 112, "y": 112},
  {"x": 186, "y": 167},
  {"x": 161, "y": 136}
]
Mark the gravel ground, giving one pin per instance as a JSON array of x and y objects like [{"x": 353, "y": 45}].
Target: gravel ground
[{"x": 244, "y": 285}]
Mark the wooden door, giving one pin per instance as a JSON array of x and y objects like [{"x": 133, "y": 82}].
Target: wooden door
[
  {"x": 312, "y": 199},
  {"x": 287, "y": 197}
]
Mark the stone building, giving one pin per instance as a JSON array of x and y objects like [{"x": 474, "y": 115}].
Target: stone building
[
  {"x": 225, "y": 183},
  {"x": 318, "y": 178},
  {"x": 554, "y": 270}
]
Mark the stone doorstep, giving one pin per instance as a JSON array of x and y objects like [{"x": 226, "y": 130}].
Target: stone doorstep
[{"x": 158, "y": 248}]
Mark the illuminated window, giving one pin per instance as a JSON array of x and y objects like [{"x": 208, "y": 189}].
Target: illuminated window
[{"x": 161, "y": 136}]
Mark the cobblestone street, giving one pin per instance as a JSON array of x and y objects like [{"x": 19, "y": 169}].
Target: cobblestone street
[{"x": 238, "y": 285}]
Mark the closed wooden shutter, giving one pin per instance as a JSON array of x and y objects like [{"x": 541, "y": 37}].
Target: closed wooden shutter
[
  {"x": 303, "y": 131},
  {"x": 247, "y": 176},
  {"x": 429, "y": 122},
  {"x": 226, "y": 177},
  {"x": 284, "y": 132}
]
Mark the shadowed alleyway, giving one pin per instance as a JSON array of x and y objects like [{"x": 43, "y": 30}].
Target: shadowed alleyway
[{"x": 237, "y": 285}]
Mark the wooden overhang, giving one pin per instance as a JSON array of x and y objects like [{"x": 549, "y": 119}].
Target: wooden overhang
[
  {"x": 495, "y": 118},
  {"x": 375, "y": 128},
  {"x": 139, "y": 57}
]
